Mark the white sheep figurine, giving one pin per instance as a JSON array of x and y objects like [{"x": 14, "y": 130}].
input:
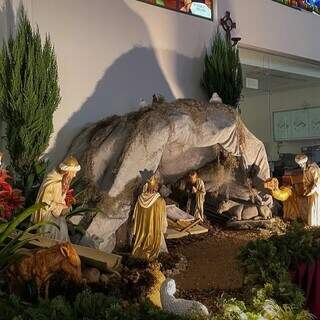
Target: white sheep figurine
[
  {"x": 180, "y": 307},
  {"x": 215, "y": 98}
]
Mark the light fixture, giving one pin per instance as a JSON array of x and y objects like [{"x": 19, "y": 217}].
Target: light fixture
[{"x": 235, "y": 41}]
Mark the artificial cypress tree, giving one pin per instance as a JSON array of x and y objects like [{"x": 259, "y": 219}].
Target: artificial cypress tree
[
  {"x": 222, "y": 71},
  {"x": 29, "y": 95}
]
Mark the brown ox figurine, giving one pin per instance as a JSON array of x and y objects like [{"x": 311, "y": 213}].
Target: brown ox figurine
[{"x": 43, "y": 264}]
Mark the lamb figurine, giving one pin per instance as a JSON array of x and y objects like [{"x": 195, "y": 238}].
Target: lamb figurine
[
  {"x": 215, "y": 98},
  {"x": 180, "y": 307}
]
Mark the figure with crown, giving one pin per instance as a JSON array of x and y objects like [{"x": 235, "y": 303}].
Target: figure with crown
[
  {"x": 53, "y": 192},
  {"x": 149, "y": 222}
]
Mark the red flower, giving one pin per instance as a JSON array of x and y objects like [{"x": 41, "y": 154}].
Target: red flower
[
  {"x": 70, "y": 199},
  {"x": 10, "y": 199}
]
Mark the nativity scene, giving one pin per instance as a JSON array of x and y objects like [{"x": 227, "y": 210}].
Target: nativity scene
[{"x": 167, "y": 211}]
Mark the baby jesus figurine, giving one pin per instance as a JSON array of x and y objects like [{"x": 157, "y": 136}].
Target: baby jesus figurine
[{"x": 198, "y": 193}]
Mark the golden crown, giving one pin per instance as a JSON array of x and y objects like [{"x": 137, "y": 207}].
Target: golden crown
[{"x": 153, "y": 181}]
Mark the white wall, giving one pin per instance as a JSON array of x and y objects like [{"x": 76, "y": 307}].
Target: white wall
[
  {"x": 272, "y": 26},
  {"x": 257, "y": 115},
  {"x": 113, "y": 52}
]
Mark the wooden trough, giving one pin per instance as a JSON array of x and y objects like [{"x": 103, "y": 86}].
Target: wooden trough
[
  {"x": 175, "y": 234},
  {"x": 181, "y": 224},
  {"x": 92, "y": 257}
]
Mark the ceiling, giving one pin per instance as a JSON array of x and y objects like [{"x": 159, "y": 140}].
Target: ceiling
[{"x": 275, "y": 80}]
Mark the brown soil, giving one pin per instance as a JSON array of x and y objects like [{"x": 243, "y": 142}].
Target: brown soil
[{"x": 212, "y": 264}]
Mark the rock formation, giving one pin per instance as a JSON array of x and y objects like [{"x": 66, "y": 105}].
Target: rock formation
[{"x": 118, "y": 153}]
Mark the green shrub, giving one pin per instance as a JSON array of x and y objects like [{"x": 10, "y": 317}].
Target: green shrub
[
  {"x": 11, "y": 307},
  {"x": 92, "y": 305},
  {"x": 223, "y": 71},
  {"x": 29, "y": 95},
  {"x": 269, "y": 310},
  {"x": 87, "y": 306},
  {"x": 267, "y": 263},
  {"x": 12, "y": 240},
  {"x": 259, "y": 308}
]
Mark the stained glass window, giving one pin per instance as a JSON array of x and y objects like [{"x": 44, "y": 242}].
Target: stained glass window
[
  {"x": 308, "y": 5},
  {"x": 199, "y": 8}
]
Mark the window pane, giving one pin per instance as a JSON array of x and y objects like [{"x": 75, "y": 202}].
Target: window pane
[
  {"x": 200, "y": 8},
  {"x": 309, "y": 5}
]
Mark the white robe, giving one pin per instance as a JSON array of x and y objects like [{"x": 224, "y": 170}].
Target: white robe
[
  {"x": 51, "y": 193},
  {"x": 311, "y": 179}
]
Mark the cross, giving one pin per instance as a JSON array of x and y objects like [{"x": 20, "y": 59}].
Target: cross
[{"x": 228, "y": 25}]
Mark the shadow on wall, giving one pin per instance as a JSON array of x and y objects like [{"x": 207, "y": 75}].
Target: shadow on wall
[
  {"x": 7, "y": 20},
  {"x": 189, "y": 73},
  {"x": 134, "y": 75}
]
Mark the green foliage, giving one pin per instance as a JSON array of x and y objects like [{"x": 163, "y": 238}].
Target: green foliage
[
  {"x": 29, "y": 95},
  {"x": 273, "y": 311},
  {"x": 11, "y": 306},
  {"x": 223, "y": 71},
  {"x": 57, "y": 308},
  {"x": 92, "y": 304},
  {"x": 260, "y": 308},
  {"x": 237, "y": 310},
  {"x": 80, "y": 206},
  {"x": 80, "y": 186},
  {"x": 12, "y": 240},
  {"x": 87, "y": 306},
  {"x": 30, "y": 186},
  {"x": 267, "y": 263}
]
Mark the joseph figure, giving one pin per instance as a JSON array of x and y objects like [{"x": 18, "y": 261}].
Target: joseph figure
[
  {"x": 197, "y": 195},
  {"x": 149, "y": 223},
  {"x": 53, "y": 192}
]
